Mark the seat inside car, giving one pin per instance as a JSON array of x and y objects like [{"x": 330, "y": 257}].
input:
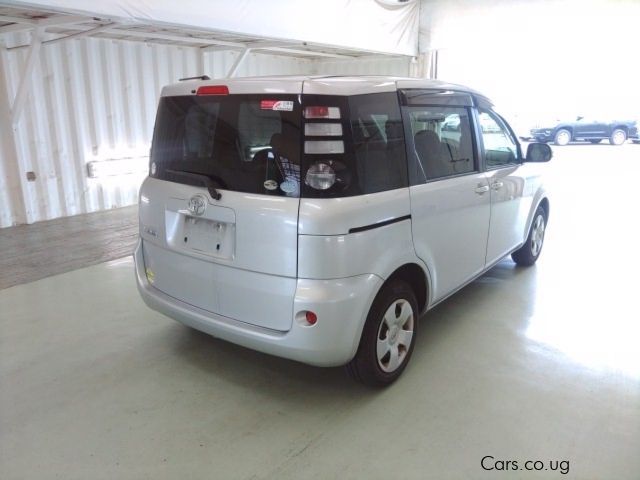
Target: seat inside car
[{"x": 432, "y": 154}]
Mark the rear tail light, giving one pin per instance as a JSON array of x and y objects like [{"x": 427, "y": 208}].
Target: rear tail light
[
  {"x": 324, "y": 146},
  {"x": 213, "y": 90},
  {"x": 325, "y": 177},
  {"x": 321, "y": 112},
  {"x": 323, "y": 129},
  {"x": 320, "y": 176}
]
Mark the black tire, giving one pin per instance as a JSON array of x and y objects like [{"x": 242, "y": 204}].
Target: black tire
[
  {"x": 365, "y": 366},
  {"x": 562, "y": 137},
  {"x": 595, "y": 140},
  {"x": 618, "y": 137},
  {"x": 527, "y": 255}
]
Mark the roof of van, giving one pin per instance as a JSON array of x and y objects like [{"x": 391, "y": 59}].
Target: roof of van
[{"x": 314, "y": 84}]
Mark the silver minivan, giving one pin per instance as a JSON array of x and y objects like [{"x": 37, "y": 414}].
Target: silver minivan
[{"x": 316, "y": 218}]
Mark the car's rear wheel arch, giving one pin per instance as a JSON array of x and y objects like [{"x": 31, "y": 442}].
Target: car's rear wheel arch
[{"x": 415, "y": 276}]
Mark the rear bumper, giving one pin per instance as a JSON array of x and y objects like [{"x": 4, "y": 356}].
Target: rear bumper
[{"x": 341, "y": 305}]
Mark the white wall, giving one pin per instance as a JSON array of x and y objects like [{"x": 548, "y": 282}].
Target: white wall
[
  {"x": 540, "y": 58},
  {"x": 95, "y": 99}
]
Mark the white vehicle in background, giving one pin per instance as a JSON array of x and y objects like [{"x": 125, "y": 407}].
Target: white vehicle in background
[{"x": 316, "y": 218}]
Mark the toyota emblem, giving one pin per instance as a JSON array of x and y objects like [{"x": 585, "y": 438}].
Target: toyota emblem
[{"x": 197, "y": 204}]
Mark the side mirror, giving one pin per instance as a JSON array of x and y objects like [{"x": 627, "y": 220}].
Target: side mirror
[{"x": 538, "y": 152}]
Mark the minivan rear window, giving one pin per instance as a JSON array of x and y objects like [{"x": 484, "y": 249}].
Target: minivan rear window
[{"x": 244, "y": 143}]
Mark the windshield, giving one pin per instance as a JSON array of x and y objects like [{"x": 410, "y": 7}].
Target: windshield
[{"x": 245, "y": 143}]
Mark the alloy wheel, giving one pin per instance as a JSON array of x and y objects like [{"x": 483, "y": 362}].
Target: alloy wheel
[
  {"x": 394, "y": 335},
  {"x": 537, "y": 235}
]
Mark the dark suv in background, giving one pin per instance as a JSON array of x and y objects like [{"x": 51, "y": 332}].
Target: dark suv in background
[{"x": 594, "y": 131}]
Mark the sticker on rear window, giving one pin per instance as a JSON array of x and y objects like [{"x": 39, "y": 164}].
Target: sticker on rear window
[
  {"x": 279, "y": 105},
  {"x": 270, "y": 184},
  {"x": 289, "y": 186}
]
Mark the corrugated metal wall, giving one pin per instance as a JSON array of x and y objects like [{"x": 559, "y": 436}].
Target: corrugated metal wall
[
  {"x": 217, "y": 64},
  {"x": 95, "y": 99},
  {"x": 398, "y": 66}
]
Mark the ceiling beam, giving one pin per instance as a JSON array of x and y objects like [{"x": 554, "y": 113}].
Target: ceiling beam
[
  {"x": 281, "y": 47},
  {"x": 380, "y": 56},
  {"x": 173, "y": 38},
  {"x": 219, "y": 48},
  {"x": 254, "y": 45},
  {"x": 20, "y": 24},
  {"x": 84, "y": 33},
  {"x": 12, "y": 19},
  {"x": 284, "y": 47},
  {"x": 300, "y": 51},
  {"x": 62, "y": 20},
  {"x": 16, "y": 27}
]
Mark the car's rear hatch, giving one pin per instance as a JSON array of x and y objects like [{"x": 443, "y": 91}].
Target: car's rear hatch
[{"x": 219, "y": 211}]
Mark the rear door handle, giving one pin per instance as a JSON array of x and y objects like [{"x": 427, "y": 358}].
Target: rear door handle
[
  {"x": 482, "y": 189},
  {"x": 497, "y": 185}
]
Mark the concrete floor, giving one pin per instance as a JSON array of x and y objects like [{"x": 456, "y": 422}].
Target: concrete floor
[
  {"x": 43, "y": 249},
  {"x": 523, "y": 364}
]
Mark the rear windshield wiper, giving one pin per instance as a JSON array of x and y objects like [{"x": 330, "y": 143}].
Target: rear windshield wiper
[{"x": 206, "y": 180}]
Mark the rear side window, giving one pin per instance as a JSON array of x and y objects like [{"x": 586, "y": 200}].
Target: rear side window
[
  {"x": 357, "y": 148},
  {"x": 441, "y": 142},
  {"x": 245, "y": 143},
  {"x": 378, "y": 143}
]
